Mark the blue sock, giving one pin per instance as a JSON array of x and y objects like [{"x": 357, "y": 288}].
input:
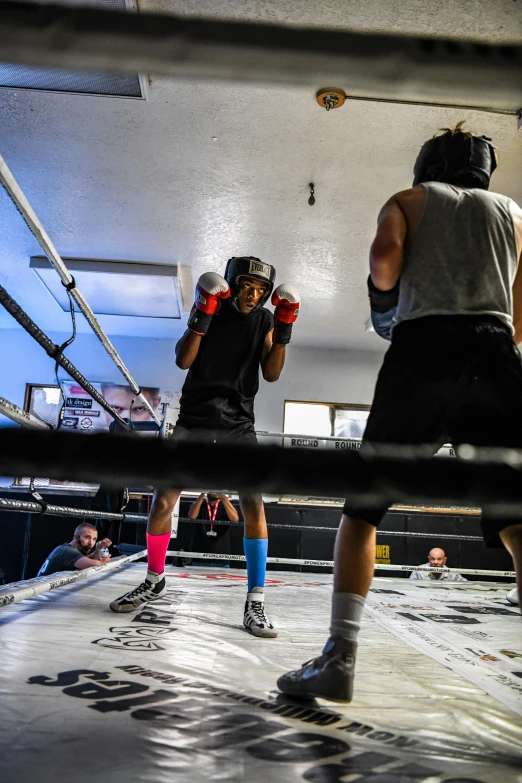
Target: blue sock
[{"x": 256, "y": 550}]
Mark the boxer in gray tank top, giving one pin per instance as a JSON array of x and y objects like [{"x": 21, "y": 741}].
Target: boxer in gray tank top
[
  {"x": 462, "y": 257},
  {"x": 445, "y": 285}
]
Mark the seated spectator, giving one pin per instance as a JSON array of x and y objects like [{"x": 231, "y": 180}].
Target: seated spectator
[
  {"x": 82, "y": 552},
  {"x": 437, "y": 559}
]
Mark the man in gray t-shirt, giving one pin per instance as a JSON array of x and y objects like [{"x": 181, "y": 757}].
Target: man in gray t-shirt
[
  {"x": 84, "y": 551},
  {"x": 437, "y": 559}
]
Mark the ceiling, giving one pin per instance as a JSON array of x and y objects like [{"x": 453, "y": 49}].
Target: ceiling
[{"x": 202, "y": 171}]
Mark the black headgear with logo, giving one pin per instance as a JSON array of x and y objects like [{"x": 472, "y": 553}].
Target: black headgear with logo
[
  {"x": 249, "y": 266},
  {"x": 458, "y": 159}
]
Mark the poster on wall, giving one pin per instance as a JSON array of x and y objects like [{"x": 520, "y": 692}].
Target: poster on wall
[{"x": 83, "y": 414}]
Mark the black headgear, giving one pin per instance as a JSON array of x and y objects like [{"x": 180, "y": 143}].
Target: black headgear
[
  {"x": 249, "y": 266},
  {"x": 458, "y": 159}
]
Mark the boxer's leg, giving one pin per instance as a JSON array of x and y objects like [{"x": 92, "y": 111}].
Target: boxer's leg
[
  {"x": 511, "y": 537},
  {"x": 491, "y": 415},
  {"x": 159, "y": 528},
  {"x": 255, "y": 545},
  {"x": 405, "y": 410}
]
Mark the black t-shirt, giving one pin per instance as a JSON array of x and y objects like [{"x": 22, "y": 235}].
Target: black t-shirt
[
  {"x": 221, "y": 385},
  {"x": 221, "y": 515},
  {"x": 202, "y": 541},
  {"x": 62, "y": 558}
]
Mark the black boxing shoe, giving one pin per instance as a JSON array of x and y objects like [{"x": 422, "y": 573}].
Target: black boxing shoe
[
  {"x": 330, "y": 676},
  {"x": 151, "y": 589}
]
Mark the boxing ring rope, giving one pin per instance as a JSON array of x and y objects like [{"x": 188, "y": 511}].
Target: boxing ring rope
[
  {"x": 54, "y": 352},
  {"x": 330, "y": 564},
  {"x": 20, "y": 591},
  {"x": 306, "y": 441},
  {"x": 19, "y": 199},
  {"x": 371, "y": 476},
  {"x": 351, "y": 443},
  {"x": 283, "y": 435},
  {"x": 49, "y": 509},
  {"x": 355, "y": 443},
  {"x": 22, "y": 417},
  {"x": 373, "y": 65}
]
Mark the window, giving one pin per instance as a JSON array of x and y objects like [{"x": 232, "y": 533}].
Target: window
[
  {"x": 44, "y": 402},
  {"x": 330, "y": 425},
  {"x": 311, "y": 421}
]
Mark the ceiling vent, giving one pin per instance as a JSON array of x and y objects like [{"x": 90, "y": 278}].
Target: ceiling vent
[{"x": 116, "y": 85}]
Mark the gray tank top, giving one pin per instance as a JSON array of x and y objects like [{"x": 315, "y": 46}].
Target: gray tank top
[{"x": 462, "y": 258}]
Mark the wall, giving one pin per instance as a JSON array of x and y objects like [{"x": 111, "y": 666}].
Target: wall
[
  {"x": 316, "y": 375},
  {"x": 150, "y": 361},
  {"x": 310, "y": 374}
]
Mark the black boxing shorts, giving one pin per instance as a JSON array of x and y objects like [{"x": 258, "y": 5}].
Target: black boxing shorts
[
  {"x": 448, "y": 379},
  {"x": 244, "y": 434}
]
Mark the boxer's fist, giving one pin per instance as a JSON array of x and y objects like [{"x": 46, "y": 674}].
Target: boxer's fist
[
  {"x": 211, "y": 288},
  {"x": 286, "y": 300},
  {"x": 382, "y": 301},
  {"x": 383, "y": 308}
]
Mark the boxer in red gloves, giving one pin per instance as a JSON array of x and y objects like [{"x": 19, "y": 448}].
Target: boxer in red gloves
[{"x": 230, "y": 335}]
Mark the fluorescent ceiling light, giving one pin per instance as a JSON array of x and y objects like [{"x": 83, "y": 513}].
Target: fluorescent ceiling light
[
  {"x": 116, "y": 287},
  {"x": 117, "y": 85}
]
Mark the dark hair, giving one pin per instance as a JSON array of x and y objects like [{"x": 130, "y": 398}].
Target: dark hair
[{"x": 82, "y": 526}]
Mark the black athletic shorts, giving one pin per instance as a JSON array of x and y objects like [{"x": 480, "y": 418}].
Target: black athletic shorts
[
  {"x": 448, "y": 379},
  {"x": 243, "y": 433}
]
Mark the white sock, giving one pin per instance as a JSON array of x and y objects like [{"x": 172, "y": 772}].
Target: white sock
[{"x": 347, "y": 609}]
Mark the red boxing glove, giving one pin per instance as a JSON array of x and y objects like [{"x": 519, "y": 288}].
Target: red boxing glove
[
  {"x": 286, "y": 300},
  {"x": 211, "y": 288}
]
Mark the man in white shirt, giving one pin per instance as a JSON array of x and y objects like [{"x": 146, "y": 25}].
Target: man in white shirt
[{"x": 437, "y": 559}]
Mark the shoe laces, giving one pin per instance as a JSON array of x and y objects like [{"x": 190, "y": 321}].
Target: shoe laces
[
  {"x": 146, "y": 585},
  {"x": 312, "y": 660},
  {"x": 258, "y": 610},
  {"x": 343, "y": 654}
]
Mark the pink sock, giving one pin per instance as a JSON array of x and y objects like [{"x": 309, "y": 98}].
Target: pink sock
[{"x": 157, "y": 551}]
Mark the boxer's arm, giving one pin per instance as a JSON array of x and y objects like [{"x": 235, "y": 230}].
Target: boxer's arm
[
  {"x": 388, "y": 245},
  {"x": 273, "y": 359},
  {"x": 517, "y": 304},
  {"x": 187, "y": 349},
  {"x": 517, "y": 283}
]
